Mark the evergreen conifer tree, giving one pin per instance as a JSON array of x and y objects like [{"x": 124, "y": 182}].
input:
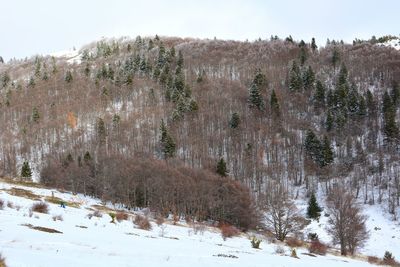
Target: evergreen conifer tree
[
  {"x": 313, "y": 45},
  {"x": 329, "y": 121},
  {"x": 390, "y": 128},
  {"x": 308, "y": 78},
  {"x": 255, "y": 98},
  {"x": 295, "y": 79},
  {"x": 221, "y": 167},
  {"x": 234, "y": 121},
  {"x": 168, "y": 146},
  {"x": 327, "y": 153},
  {"x": 101, "y": 131},
  {"x": 313, "y": 146},
  {"x": 35, "y": 114},
  {"x": 274, "y": 104},
  {"x": 313, "y": 210},
  {"x": 319, "y": 96},
  {"x": 68, "y": 76},
  {"x": 335, "y": 57},
  {"x": 26, "y": 171}
]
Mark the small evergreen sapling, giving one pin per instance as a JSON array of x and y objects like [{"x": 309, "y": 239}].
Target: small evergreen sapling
[
  {"x": 221, "y": 167},
  {"x": 313, "y": 210},
  {"x": 26, "y": 171}
]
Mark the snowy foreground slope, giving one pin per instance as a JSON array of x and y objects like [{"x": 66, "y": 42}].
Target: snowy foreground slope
[{"x": 97, "y": 242}]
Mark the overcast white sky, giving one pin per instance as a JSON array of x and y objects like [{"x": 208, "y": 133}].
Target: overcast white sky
[{"x": 30, "y": 27}]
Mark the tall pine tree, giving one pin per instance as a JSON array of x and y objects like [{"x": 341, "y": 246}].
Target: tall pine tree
[
  {"x": 255, "y": 98},
  {"x": 168, "y": 146}
]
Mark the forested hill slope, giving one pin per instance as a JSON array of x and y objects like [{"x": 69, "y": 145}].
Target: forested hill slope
[{"x": 266, "y": 112}]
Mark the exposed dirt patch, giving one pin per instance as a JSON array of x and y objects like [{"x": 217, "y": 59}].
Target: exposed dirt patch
[{"x": 43, "y": 229}]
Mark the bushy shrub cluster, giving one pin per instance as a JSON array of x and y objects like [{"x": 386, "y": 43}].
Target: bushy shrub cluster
[
  {"x": 166, "y": 188},
  {"x": 40, "y": 207}
]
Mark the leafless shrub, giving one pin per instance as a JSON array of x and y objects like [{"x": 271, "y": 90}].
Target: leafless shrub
[
  {"x": 279, "y": 250},
  {"x": 40, "y": 207},
  {"x": 1, "y": 204},
  {"x": 95, "y": 213},
  {"x": 317, "y": 247},
  {"x": 199, "y": 228},
  {"x": 142, "y": 222},
  {"x": 159, "y": 219},
  {"x": 57, "y": 218},
  {"x": 228, "y": 231},
  {"x": 10, "y": 204},
  {"x": 121, "y": 216}
]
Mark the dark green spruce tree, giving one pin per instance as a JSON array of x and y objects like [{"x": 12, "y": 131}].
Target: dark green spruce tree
[
  {"x": 313, "y": 146},
  {"x": 295, "y": 79},
  {"x": 319, "y": 96},
  {"x": 390, "y": 128},
  {"x": 313, "y": 45},
  {"x": 221, "y": 167},
  {"x": 168, "y": 146},
  {"x": 313, "y": 209},
  {"x": 255, "y": 98},
  {"x": 327, "y": 153},
  {"x": 275, "y": 109},
  {"x": 26, "y": 171},
  {"x": 234, "y": 121}
]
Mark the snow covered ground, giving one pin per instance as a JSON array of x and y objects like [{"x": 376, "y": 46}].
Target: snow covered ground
[
  {"x": 72, "y": 56},
  {"x": 97, "y": 242}
]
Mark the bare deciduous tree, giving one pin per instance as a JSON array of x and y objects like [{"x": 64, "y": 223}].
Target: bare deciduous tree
[
  {"x": 282, "y": 215},
  {"x": 346, "y": 222}
]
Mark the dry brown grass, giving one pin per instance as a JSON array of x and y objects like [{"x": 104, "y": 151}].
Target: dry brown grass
[
  {"x": 102, "y": 208},
  {"x": 294, "y": 242},
  {"x": 57, "y": 200},
  {"x": 2, "y": 261},
  {"x": 41, "y": 207},
  {"x": 142, "y": 222},
  {"x": 19, "y": 192},
  {"x": 21, "y": 182},
  {"x": 373, "y": 260},
  {"x": 42, "y": 229}
]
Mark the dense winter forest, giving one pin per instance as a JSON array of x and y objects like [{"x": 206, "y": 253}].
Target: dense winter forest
[{"x": 207, "y": 128}]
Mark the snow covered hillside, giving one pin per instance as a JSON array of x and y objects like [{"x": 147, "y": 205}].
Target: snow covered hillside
[{"x": 38, "y": 239}]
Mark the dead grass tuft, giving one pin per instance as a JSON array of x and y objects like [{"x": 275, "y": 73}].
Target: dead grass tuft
[{"x": 2, "y": 261}]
